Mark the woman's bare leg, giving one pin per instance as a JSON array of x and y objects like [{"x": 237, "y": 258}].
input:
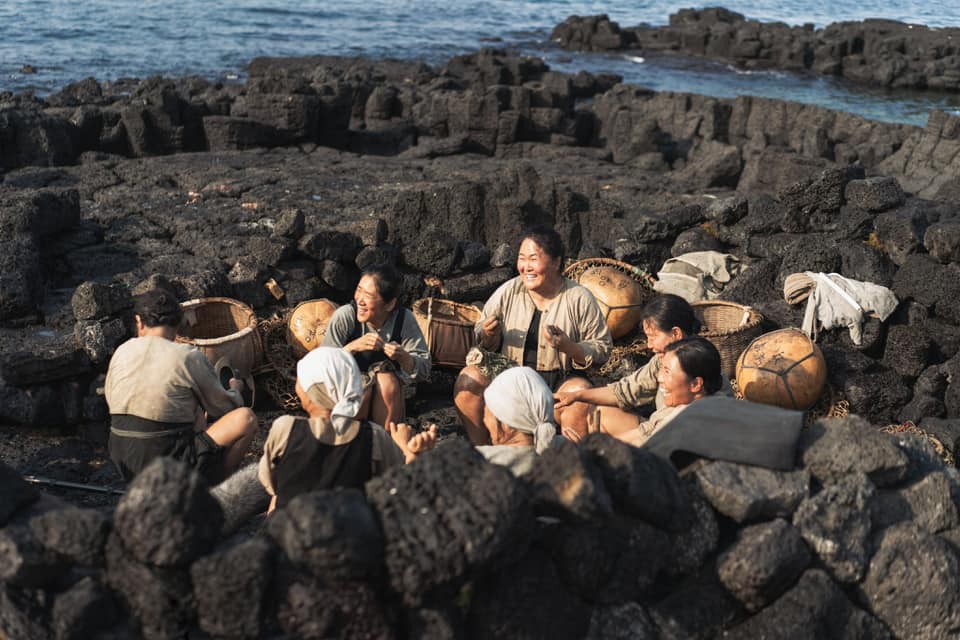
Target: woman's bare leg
[
  {"x": 573, "y": 416},
  {"x": 234, "y": 431},
  {"x": 468, "y": 399},
  {"x": 388, "y": 403}
]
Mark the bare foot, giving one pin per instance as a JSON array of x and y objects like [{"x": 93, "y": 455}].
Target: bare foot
[
  {"x": 423, "y": 441},
  {"x": 412, "y": 445}
]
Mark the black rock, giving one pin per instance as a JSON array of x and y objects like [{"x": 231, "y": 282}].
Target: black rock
[
  {"x": 15, "y": 493},
  {"x": 913, "y": 584},
  {"x": 83, "y": 610},
  {"x": 909, "y": 351},
  {"x": 928, "y": 504},
  {"x": 167, "y": 516},
  {"x": 860, "y": 261},
  {"x": 25, "y": 562},
  {"x": 567, "y": 483},
  {"x": 628, "y": 621},
  {"x": 764, "y": 561},
  {"x": 290, "y": 224},
  {"x": 726, "y": 211},
  {"x": 100, "y": 338},
  {"x": 697, "y": 610},
  {"x": 330, "y": 245},
  {"x": 942, "y": 241},
  {"x": 836, "y": 523},
  {"x": 750, "y": 494},
  {"x": 331, "y": 534},
  {"x": 79, "y": 535},
  {"x": 474, "y": 256},
  {"x": 695, "y": 239},
  {"x": 438, "y": 529},
  {"x": 900, "y": 233},
  {"x": 852, "y": 445},
  {"x": 697, "y": 536},
  {"x": 92, "y": 300},
  {"x": 230, "y": 588},
  {"x": 435, "y": 252},
  {"x": 874, "y": 194},
  {"x": 877, "y": 396},
  {"x": 641, "y": 484},
  {"x": 383, "y": 254},
  {"x": 24, "y": 613},
  {"x": 308, "y": 608},
  {"x": 920, "y": 407},
  {"x": 947, "y": 430}
]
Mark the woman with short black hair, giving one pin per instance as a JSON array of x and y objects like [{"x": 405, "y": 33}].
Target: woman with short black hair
[{"x": 385, "y": 340}]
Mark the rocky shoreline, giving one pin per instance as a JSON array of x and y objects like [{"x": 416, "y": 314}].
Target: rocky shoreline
[
  {"x": 882, "y": 53},
  {"x": 316, "y": 167}
]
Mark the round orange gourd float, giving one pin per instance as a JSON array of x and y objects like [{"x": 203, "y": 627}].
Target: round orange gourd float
[
  {"x": 620, "y": 297},
  {"x": 782, "y": 368},
  {"x": 307, "y": 324}
]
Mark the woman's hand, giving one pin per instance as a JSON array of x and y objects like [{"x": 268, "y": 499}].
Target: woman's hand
[
  {"x": 491, "y": 332},
  {"x": 399, "y": 355},
  {"x": 412, "y": 445},
  {"x": 367, "y": 342},
  {"x": 563, "y": 399},
  {"x": 557, "y": 339}
]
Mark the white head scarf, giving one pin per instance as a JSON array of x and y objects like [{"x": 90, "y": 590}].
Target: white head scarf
[
  {"x": 520, "y": 398},
  {"x": 337, "y": 371}
]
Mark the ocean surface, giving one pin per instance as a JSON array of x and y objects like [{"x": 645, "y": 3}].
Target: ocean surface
[{"x": 45, "y": 44}]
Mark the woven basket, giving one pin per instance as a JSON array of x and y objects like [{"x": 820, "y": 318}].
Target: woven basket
[
  {"x": 448, "y": 329},
  {"x": 730, "y": 327},
  {"x": 575, "y": 269},
  {"x": 222, "y": 328}
]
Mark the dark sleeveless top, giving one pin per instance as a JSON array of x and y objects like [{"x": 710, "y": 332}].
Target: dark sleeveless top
[
  {"x": 531, "y": 345},
  {"x": 346, "y": 465},
  {"x": 366, "y": 359}
]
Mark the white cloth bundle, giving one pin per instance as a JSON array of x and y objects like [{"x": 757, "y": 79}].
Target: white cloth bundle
[{"x": 835, "y": 301}]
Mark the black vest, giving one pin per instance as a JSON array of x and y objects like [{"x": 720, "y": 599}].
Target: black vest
[
  {"x": 366, "y": 359},
  {"x": 346, "y": 465}
]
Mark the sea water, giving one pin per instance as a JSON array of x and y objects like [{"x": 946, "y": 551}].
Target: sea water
[{"x": 46, "y": 44}]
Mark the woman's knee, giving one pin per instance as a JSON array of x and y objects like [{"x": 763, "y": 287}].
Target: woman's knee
[
  {"x": 471, "y": 380},
  {"x": 390, "y": 386}
]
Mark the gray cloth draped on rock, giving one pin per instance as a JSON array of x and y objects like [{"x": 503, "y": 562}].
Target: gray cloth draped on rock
[
  {"x": 724, "y": 428},
  {"x": 835, "y": 301},
  {"x": 699, "y": 275}
]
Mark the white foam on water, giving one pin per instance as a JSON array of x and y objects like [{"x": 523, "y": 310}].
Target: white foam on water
[{"x": 634, "y": 59}]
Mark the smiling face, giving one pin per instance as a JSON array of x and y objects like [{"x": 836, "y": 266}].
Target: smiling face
[
  {"x": 371, "y": 307},
  {"x": 538, "y": 270},
  {"x": 657, "y": 338},
  {"x": 677, "y": 388}
]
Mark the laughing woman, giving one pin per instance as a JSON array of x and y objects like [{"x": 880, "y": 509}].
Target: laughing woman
[
  {"x": 541, "y": 320},
  {"x": 385, "y": 340}
]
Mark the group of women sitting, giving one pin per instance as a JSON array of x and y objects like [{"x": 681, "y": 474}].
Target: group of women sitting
[{"x": 548, "y": 326}]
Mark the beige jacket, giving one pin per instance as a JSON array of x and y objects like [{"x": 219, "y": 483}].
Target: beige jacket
[
  {"x": 158, "y": 379},
  {"x": 657, "y": 421},
  {"x": 574, "y": 310},
  {"x": 295, "y": 447}
]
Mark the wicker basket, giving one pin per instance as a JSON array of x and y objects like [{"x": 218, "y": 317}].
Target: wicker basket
[
  {"x": 448, "y": 329},
  {"x": 730, "y": 327},
  {"x": 222, "y": 328}
]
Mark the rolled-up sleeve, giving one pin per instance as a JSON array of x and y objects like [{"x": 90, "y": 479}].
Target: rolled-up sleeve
[
  {"x": 273, "y": 451},
  {"x": 639, "y": 388},
  {"x": 214, "y": 399},
  {"x": 595, "y": 338}
]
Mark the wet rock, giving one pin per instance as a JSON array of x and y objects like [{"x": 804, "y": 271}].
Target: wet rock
[
  {"x": 83, "y": 610},
  {"x": 909, "y": 351},
  {"x": 161, "y": 600},
  {"x": 567, "y": 483},
  {"x": 750, "y": 494},
  {"x": 836, "y": 524},
  {"x": 814, "y": 609},
  {"x": 25, "y": 562},
  {"x": 641, "y": 484},
  {"x": 15, "y": 493},
  {"x": 698, "y": 610},
  {"x": 76, "y": 534},
  {"x": 874, "y": 194},
  {"x": 913, "y": 584},
  {"x": 852, "y": 446},
  {"x": 942, "y": 241},
  {"x": 763, "y": 562},
  {"x": 628, "y": 621},
  {"x": 331, "y": 534},
  {"x": 421, "y": 504},
  {"x": 167, "y": 517},
  {"x": 550, "y": 610},
  {"x": 230, "y": 589},
  {"x": 92, "y": 300},
  {"x": 99, "y": 338},
  {"x": 928, "y": 504},
  {"x": 616, "y": 561}
]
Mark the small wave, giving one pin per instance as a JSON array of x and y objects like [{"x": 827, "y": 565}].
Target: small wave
[
  {"x": 770, "y": 73},
  {"x": 634, "y": 59}
]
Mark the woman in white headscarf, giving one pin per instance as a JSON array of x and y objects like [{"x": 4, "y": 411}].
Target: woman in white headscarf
[
  {"x": 332, "y": 447},
  {"x": 518, "y": 415}
]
